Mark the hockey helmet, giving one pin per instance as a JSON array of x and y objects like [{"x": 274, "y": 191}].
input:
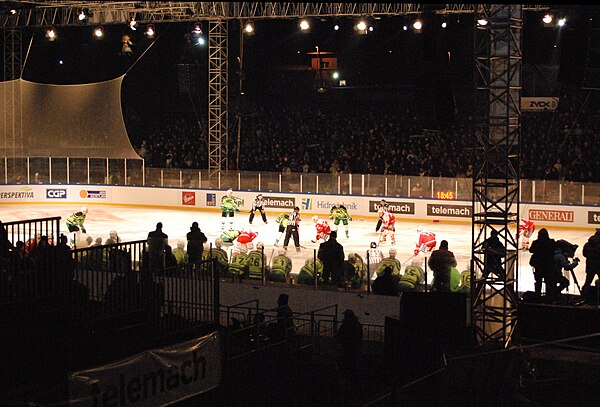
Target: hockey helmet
[
  {"x": 419, "y": 229},
  {"x": 259, "y": 196},
  {"x": 84, "y": 210},
  {"x": 373, "y": 245},
  {"x": 315, "y": 218},
  {"x": 229, "y": 192}
]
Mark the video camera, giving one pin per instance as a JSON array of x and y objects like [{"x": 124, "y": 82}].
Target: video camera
[{"x": 567, "y": 248}]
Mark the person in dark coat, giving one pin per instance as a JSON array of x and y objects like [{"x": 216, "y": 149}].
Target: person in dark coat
[
  {"x": 494, "y": 252},
  {"x": 591, "y": 252},
  {"x": 331, "y": 254},
  {"x": 386, "y": 284},
  {"x": 195, "y": 243},
  {"x": 542, "y": 259},
  {"x": 349, "y": 337},
  {"x": 440, "y": 262}
]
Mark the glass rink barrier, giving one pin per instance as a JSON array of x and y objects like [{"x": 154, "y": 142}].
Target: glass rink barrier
[{"x": 133, "y": 172}]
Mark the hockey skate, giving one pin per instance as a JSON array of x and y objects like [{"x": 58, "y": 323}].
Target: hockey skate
[
  {"x": 347, "y": 235},
  {"x": 314, "y": 241}
]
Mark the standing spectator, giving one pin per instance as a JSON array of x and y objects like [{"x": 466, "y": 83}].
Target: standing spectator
[
  {"x": 386, "y": 283},
  {"x": 591, "y": 252},
  {"x": 494, "y": 252},
  {"x": 195, "y": 243},
  {"x": 292, "y": 229},
  {"x": 542, "y": 259},
  {"x": 284, "y": 327},
  {"x": 157, "y": 241},
  {"x": 440, "y": 262},
  {"x": 331, "y": 253},
  {"x": 349, "y": 337}
]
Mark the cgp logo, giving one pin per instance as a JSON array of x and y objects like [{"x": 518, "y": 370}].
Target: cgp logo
[{"x": 56, "y": 193}]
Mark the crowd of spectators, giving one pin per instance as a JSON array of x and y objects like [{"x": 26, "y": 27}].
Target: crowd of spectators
[{"x": 379, "y": 140}]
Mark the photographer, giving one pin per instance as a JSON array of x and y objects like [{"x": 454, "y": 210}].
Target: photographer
[{"x": 556, "y": 280}]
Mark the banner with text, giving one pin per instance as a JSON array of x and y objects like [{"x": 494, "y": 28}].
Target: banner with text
[
  {"x": 539, "y": 103},
  {"x": 152, "y": 378}
]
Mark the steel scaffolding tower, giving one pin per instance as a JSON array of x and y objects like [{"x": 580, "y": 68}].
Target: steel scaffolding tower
[
  {"x": 218, "y": 126},
  {"x": 496, "y": 174},
  {"x": 11, "y": 95}
]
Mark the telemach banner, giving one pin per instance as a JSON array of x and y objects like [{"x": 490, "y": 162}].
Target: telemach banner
[{"x": 155, "y": 377}]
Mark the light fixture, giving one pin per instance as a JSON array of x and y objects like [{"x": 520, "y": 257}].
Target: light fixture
[
  {"x": 361, "y": 25},
  {"x": 562, "y": 22},
  {"x": 98, "y": 32},
  {"x": 482, "y": 21},
  {"x": 201, "y": 41},
  {"x": 197, "y": 31},
  {"x": 82, "y": 15},
  {"x": 304, "y": 24},
  {"x": 13, "y": 11},
  {"x": 336, "y": 27},
  {"x": 335, "y": 75},
  {"x": 150, "y": 31},
  {"x": 51, "y": 34},
  {"x": 249, "y": 27},
  {"x": 547, "y": 19},
  {"x": 444, "y": 21},
  {"x": 418, "y": 25},
  {"x": 133, "y": 24}
]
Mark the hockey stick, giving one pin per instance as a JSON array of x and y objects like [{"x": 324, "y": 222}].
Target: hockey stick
[{"x": 407, "y": 260}]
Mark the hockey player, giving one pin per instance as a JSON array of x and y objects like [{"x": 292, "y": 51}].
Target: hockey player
[
  {"x": 281, "y": 267},
  {"x": 282, "y": 220},
  {"x": 307, "y": 272},
  {"x": 374, "y": 257},
  {"x": 425, "y": 241},
  {"x": 323, "y": 230},
  {"x": 339, "y": 213},
  {"x": 525, "y": 230},
  {"x": 246, "y": 237},
  {"x": 75, "y": 223},
  {"x": 258, "y": 205},
  {"x": 257, "y": 262},
  {"x": 228, "y": 236},
  {"x": 217, "y": 252},
  {"x": 393, "y": 263},
  {"x": 388, "y": 227},
  {"x": 413, "y": 277},
  {"x": 229, "y": 205},
  {"x": 381, "y": 207},
  {"x": 238, "y": 264},
  {"x": 359, "y": 274}
]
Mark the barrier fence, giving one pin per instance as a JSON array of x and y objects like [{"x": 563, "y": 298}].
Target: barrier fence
[{"x": 110, "y": 171}]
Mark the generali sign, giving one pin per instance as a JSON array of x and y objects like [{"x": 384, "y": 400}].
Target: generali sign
[{"x": 551, "y": 215}]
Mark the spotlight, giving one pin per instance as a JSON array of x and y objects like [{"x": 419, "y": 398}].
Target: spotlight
[
  {"x": 249, "y": 27},
  {"x": 201, "y": 41},
  {"x": 482, "y": 21},
  {"x": 336, "y": 27},
  {"x": 444, "y": 24},
  {"x": 562, "y": 22},
  {"x": 197, "y": 31},
  {"x": 51, "y": 34},
  {"x": 13, "y": 11},
  {"x": 417, "y": 25},
  {"x": 133, "y": 24},
  {"x": 304, "y": 24},
  {"x": 335, "y": 75},
  {"x": 150, "y": 31},
  {"x": 98, "y": 32},
  {"x": 547, "y": 19},
  {"x": 405, "y": 27},
  {"x": 81, "y": 16},
  {"x": 361, "y": 26}
]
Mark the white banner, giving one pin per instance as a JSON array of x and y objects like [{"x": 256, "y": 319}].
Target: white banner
[
  {"x": 155, "y": 377},
  {"x": 539, "y": 103}
]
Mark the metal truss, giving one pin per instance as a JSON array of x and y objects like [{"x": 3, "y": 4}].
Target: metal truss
[
  {"x": 59, "y": 13},
  {"x": 591, "y": 72},
  {"x": 498, "y": 61},
  {"x": 11, "y": 95},
  {"x": 218, "y": 126}
]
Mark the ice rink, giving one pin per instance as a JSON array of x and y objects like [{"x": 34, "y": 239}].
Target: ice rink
[{"x": 134, "y": 223}]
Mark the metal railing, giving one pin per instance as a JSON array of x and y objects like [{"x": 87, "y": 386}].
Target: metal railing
[{"x": 109, "y": 171}]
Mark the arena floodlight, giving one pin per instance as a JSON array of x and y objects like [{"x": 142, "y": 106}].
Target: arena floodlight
[
  {"x": 361, "y": 25},
  {"x": 197, "y": 31},
  {"x": 304, "y": 24},
  {"x": 482, "y": 21},
  {"x": 150, "y": 31},
  {"x": 418, "y": 25},
  {"x": 562, "y": 22},
  {"x": 98, "y": 32},
  {"x": 133, "y": 24},
  {"x": 336, "y": 27},
  {"x": 249, "y": 27},
  {"x": 51, "y": 34},
  {"x": 82, "y": 15},
  {"x": 335, "y": 75},
  {"x": 547, "y": 19}
]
